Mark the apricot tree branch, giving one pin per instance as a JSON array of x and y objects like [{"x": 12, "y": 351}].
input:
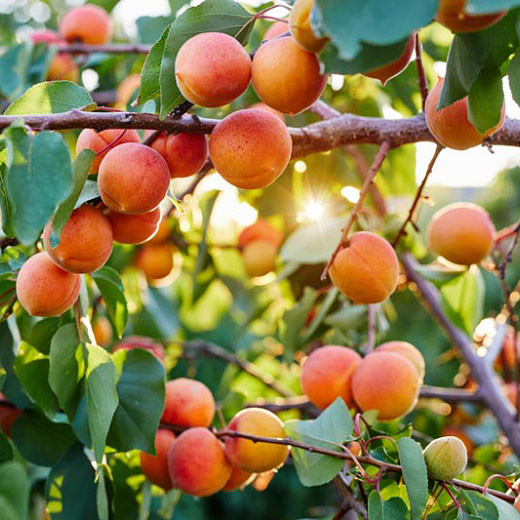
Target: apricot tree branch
[
  {"x": 421, "y": 74},
  {"x": 112, "y": 48}
]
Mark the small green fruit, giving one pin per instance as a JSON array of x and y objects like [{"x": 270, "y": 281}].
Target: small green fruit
[{"x": 445, "y": 458}]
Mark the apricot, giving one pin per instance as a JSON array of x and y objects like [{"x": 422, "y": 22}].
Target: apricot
[
  {"x": 197, "y": 463},
  {"x": 43, "y": 289},
  {"x": 98, "y": 141},
  {"x": 355, "y": 448},
  {"x": 85, "y": 242},
  {"x": 452, "y": 14},
  {"x": 134, "y": 229},
  {"x": 388, "y": 71},
  {"x": 163, "y": 233},
  {"x": 367, "y": 269},
  {"x": 327, "y": 374},
  {"x": 455, "y": 431},
  {"x": 386, "y": 382},
  {"x": 445, "y": 458},
  {"x": 212, "y": 69},
  {"x": 411, "y": 353},
  {"x": 133, "y": 179},
  {"x": 287, "y": 77},
  {"x": 301, "y": 29},
  {"x": 450, "y": 125},
  {"x": 126, "y": 90},
  {"x": 277, "y": 29},
  {"x": 256, "y": 457},
  {"x": 87, "y": 24},
  {"x": 188, "y": 403},
  {"x": 102, "y": 331},
  {"x": 238, "y": 479},
  {"x": 250, "y": 148},
  {"x": 155, "y": 260},
  {"x": 463, "y": 233},
  {"x": 260, "y": 230},
  {"x": 155, "y": 467},
  {"x": 267, "y": 108},
  {"x": 131, "y": 342},
  {"x": 259, "y": 257}
]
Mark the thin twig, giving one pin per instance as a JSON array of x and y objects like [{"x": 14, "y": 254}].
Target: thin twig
[
  {"x": 192, "y": 187},
  {"x": 421, "y": 74}
]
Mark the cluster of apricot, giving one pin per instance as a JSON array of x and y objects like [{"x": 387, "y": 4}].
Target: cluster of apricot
[{"x": 197, "y": 461}]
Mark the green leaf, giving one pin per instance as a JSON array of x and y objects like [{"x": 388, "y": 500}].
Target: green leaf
[
  {"x": 14, "y": 64},
  {"x": 51, "y": 98},
  {"x": 38, "y": 179},
  {"x": 513, "y": 73},
  {"x": 393, "y": 509},
  {"x": 141, "y": 401},
  {"x": 438, "y": 273},
  {"x": 5, "y": 206},
  {"x": 414, "y": 474},
  {"x": 505, "y": 511},
  {"x": 331, "y": 428},
  {"x": 14, "y": 490},
  {"x": 322, "y": 314},
  {"x": 148, "y": 27},
  {"x": 485, "y": 100},
  {"x": 6, "y": 449},
  {"x": 479, "y": 505},
  {"x": 39, "y": 333}
]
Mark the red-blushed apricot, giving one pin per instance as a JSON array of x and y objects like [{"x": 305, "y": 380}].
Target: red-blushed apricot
[
  {"x": 102, "y": 331},
  {"x": 456, "y": 431},
  {"x": 85, "y": 242},
  {"x": 238, "y": 479},
  {"x": 450, "y": 125},
  {"x": 259, "y": 257},
  {"x": 276, "y": 29},
  {"x": 131, "y": 342},
  {"x": 155, "y": 260},
  {"x": 327, "y": 374},
  {"x": 367, "y": 269},
  {"x": 212, "y": 69},
  {"x": 446, "y": 458},
  {"x": 256, "y": 457},
  {"x": 452, "y": 14},
  {"x": 407, "y": 350},
  {"x": 88, "y": 24},
  {"x": 463, "y": 233},
  {"x": 163, "y": 233},
  {"x": 197, "y": 463},
  {"x": 388, "y": 71},
  {"x": 43, "y": 289},
  {"x": 155, "y": 467},
  {"x": 386, "y": 382},
  {"x": 250, "y": 148},
  {"x": 267, "y": 108},
  {"x": 134, "y": 229},
  {"x": 260, "y": 230},
  {"x": 301, "y": 29},
  {"x": 133, "y": 179},
  {"x": 287, "y": 77},
  {"x": 188, "y": 403},
  {"x": 98, "y": 141},
  {"x": 126, "y": 89}
]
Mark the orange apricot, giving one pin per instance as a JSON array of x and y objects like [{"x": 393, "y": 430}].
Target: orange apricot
[
  {"x": 355, "y": 448},
  {"x": 88, "y": 24},
  {"x": 463, "y": 233},
  {"x": 452, "y": 14},
  {"x": 367, "y": 269},
  {"x": 287, "y": 77},
  {"x": 102, "y": 331},
  {"x": 259, "y": 257},
  {"x": 43, "y": 289},
  {"x": 267, "y": 108},
  {"x": 188, "y": 403},
  {"x": 134, "y": 229},
  {"x": 261, "y": 230},
  {"x": 126, "y": 89},
  {"x": 301, "y": 28},
  {"x": 85, "y": 242},
  {"x": 256, "y": 457},
  {"x": 131, "y": 342},
  {"x": 327, "y": 374},
  {"x": 163, "y": 233},
  {"x": 276, "y": 29},
  {"x": 155, "y": 260},
  {"x": 197, "y": 463},
  {"x": 450, "y": 125},
  {"x": 155, "y": 467},
  {"x": 411, "y": 353},
  {"x": 386, "y": 382},
  {"x": 238, "y": 479},
  {"x": 250, "y": 148},
  {"x": 133, "y": 179},
  {"x": 99, "y": 141},
  {"x": 212, "y": 69}
]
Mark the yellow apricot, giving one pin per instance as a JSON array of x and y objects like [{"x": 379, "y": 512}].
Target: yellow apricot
[
  {"x": 88, "y": 24},
  {"x": 238, "y": 479},
  {"x": 277, "y": 29},
  {"x": 259, "y": 257},
  {"x": 301, "y": 28},
  {"x": 446, "y": 458},
  {"x": 155, "y": 260},
  {"x": 407, "y": 350},
  {"x": 155, "y": 467},
  {"x": 102, "y": 331},
  {"x": 453, "y": 15},
  {"x": 126, "y": 90},
  {"x": 260, "y": 230}
]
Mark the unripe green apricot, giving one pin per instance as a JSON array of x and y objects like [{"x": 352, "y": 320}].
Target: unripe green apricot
[{"x": 446, "y": 458}]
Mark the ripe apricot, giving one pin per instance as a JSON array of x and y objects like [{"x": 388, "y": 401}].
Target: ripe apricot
[
  {"x": 386, "y": 382},
  {"x": 259, "y": 257},
  {"x": 267, "y": 108},
  {"x": 131, "y": 342},
  {"x": 238, "y": 479},
  {"x": 188, "y": 403},
  {"x": 126, "y": 89},
  {"x": 197, "y": 463},
  {"x": 163, "y": 233},
  {"x": 463, "y": 233},
  {"x": 450, "y": 125},
  {"x": 155, "y": 260},
  {"x": 133, "y": 179},
  {"x": 411, "y": 353},
  {"x": 256, "y": 457},
  {"x": 102, "y": 331},
  {"x": 98, "y": 141},
  {"x": 260, "y": 230},
  {"x": 134, "y": 229},
  {"x": 276, "y": 29},
  {"x": 287, "y": 77},
  {"x": 367, "y": 269},
  {"x": 445, "y": 458},
  {"x": 452, "y": 14},
  {"x": 250, "y": 148},
  {"x": 88, "y": 24},
  {"x": 327, "y": 374},
  {"x": 388, "y": 71},
  {"x": 155, "y": 467},
  {"x": 301, "y": 29},
  {"x": 85, "y": 242},
  {"x": 212, "y": 69},
  {"x": 43, "y": 289}
]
